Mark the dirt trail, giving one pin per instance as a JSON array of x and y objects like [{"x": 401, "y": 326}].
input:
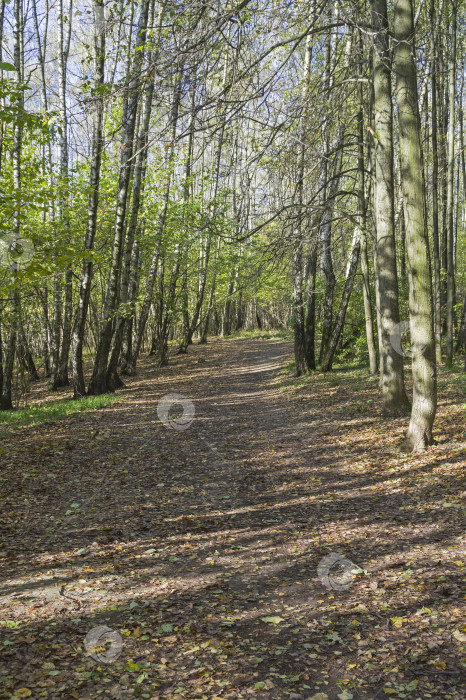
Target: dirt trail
[{"x": 209, "y": 550}]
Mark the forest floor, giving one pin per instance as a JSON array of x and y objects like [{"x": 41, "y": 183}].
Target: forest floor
[{"x": 146, "y": 560}]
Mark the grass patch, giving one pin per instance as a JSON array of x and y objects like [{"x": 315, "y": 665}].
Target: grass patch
[{"x": 54, "y": 411}]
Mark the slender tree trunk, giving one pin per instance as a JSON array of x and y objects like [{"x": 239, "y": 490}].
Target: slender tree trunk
[
  {"x": 298, "y": 309},
  {"x": 124, "y": 318},
  {"x": 101, "y": 380},
  {"x": 373, "y": 219},
  {"x": 187, "y": 191},
  {"x": 210, "y": 304},
  {"x": 327, "y": 257},
  {"x": 77, "y": 341},
  {"x": 6, "y": 402},
  {"x": 27, "y": 359},
  {"x": 362, "y": 215},
  {"x": 226, "y": 330},
  {"x": 310, "y": 274},
  {"x": 138, "y": 189},
  {"x": 2, "y": 134},
  {"x": 300, "y": 349},
  {"x": 327, "y": 360},
  {"x": 133, "y": 289},
  {"x": 61, "y": 378},
  {"x": 45, "y": 331},
  {"x": 420, "y": 285},
  {"x": 154, "y": 264},
  {"x": 442, "y": 104},
  {"x": 450, "y": 237},
  {"x": 461, "y": 340},
  {"x": 325, "y": 230},
  {"x": 435, "y": 184},
  {"x": 395, "y": 401}
]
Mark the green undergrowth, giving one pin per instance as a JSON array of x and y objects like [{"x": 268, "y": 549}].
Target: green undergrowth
[
  {"x": 57, "y": 410},
  {"x": 350, "y": 375}
]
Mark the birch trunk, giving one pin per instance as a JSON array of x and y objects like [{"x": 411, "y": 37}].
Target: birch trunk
[
  {"x": 101, "y": 380},
  {"x": 154, "y": 264},
  {"x": 6, "y": 399},
  {"x": 77, "y": 340}
]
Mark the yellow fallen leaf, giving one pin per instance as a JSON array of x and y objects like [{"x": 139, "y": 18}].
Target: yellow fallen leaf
[
  {"x": 274, "y": 619},
  {"x": 397, "y": 621},
  {"x": 439, "y": 664},
  {"x": 22, "y": 693}
]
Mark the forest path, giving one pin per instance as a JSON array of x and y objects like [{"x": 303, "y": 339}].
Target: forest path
[{"x": 212, "y": 551}]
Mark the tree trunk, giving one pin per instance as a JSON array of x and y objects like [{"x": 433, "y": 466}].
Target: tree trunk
[
  {"x": 210, "y": 304},
  {"x": 435, "y": 181},
  {"x": 395, "y": 401},
  {"x": 25, "y": 354},
  {"x": 310, "y": 274},
  {"x": 327, "y": 360},
  {"x": 362, "y": 215},
  {"x": 152, "y": 275},
  {"x": 123, "y": 317},
  {"x": 450, "y": 238},
  {"x": 300, "y": 349},
  {"x": 417, "y": 243},
  {"x": 61, "y": 377},
  {"x": 298, "y": 310},
  {"x": 79, "y": 387},
  {"x": 327, "y": 257},
  {"x": 101, "y": 380},
  {"x": 6, "y": 402}
]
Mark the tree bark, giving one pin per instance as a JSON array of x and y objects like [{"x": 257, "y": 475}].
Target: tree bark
[
  {"x": 327, "y": 360},
  {"x": 61, "y": 377},
  {"x": 300, "y": 349},
  {"x": 435, "y": 184},
  {"x": 362, "y": 215},
  {"x": 310, "y": 275},
  {"x": 101, "y": 380},
  {"x": 419, "y": 272},
  {"x": 154, "y": 264},
  {"x": 77, "y": 340},
  {"x": 450, "y": 237},
  {"x": 395, "y": 401},
  {"x": 6, "y": 402}
]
